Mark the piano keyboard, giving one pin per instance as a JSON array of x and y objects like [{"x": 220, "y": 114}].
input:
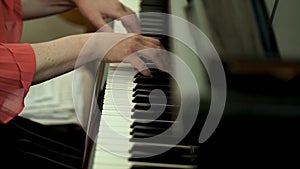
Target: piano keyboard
[
  {"x": 115, "y": 145},
  {"x": 125, "y": 118}
]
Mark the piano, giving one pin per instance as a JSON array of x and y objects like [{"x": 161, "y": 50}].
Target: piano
[{"x": 257, "y": 125}]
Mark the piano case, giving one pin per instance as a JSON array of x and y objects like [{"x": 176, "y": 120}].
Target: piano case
[{"x": 28, "y": 144}]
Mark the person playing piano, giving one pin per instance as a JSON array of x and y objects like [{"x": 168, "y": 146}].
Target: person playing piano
[{"x": 24, "y": 64}]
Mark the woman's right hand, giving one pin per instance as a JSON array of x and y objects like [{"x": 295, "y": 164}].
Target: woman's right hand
[{"x": 129, "y": 48}]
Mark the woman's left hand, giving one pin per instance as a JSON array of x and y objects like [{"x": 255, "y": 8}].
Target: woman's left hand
[{"x": 96, "y": 11}]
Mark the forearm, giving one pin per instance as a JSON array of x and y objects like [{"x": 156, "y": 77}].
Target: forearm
[
  {"x": 39, "y": 8},
  {"x": 60, "y": 56},
  {"x": 57, "y": 57}
]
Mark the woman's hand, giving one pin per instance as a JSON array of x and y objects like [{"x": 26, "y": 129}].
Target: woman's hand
[
  {"x": 130, "y": 48},
  {"x": 94, "y": 10},
  {"x": 135, "y": 50},
  {"x": 98, "y": 10},
  {"x": 59, "y": 56}
]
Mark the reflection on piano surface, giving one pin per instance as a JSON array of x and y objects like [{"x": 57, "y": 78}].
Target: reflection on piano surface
[{"x": 259, "y": 124}]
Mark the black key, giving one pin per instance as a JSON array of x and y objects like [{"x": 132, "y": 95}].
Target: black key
[
  {"x": 142, "y": 92},
  {"x": 152, "y": 87},
  {"x": 154, "y": 9},
  {"x": 154, "y": 3},
  {"x": 155, "y": 73},
  {"x": 151, "y": 18},
  {"x": 163, "y": 99},
  {"x": 156, "y": 36},
  {"x": 166, "y": 139},
  {"x": 150, "y": 123},
  {"x": 140, "y": 166},
  {"x": 155, "y": 99},
  {"x": 173, "y": 149},
  {"x": 140, "y": 135},
  {"x": 153, "y": 116},
  {"x": 145, "y": 106},
  {"x": 156, "y": 24},
  {"x": 152, "y": 80},
  {"x": 147, "y": 92},
  {"x": 154, "y": 30},
  {"x": 165, "y": 158},
  {"x": 141, "y": 99},
  {"x": 146, "y": 129}
]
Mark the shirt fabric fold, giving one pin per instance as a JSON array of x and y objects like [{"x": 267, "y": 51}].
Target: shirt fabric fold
[{"x": 17, "y": 61}]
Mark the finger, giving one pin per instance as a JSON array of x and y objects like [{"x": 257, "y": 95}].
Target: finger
[
  {"x": 156, "y": 53},
  {"x": 138, "y": 63},
  {"x": 128, "y": 18},
  {"x": 163, "y": 60},
  {"x": 151, "y": 48},
  {"x": 155, "y": 56},
  {"x": 130, "y": 21},
  {"x": 152, "y": 40},
  {"x": 153, "y": 53},
  {"x": 146, "y": 42}
]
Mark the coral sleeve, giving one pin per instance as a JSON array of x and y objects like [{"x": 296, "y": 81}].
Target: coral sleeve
[
  {"x": 11, "y": 21},
  {"x": 17, "y": 68}
]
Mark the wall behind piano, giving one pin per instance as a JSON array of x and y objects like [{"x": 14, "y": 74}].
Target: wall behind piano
[
  {"x": 286, "y": 26},
  {"x": 50, "y": 102}
]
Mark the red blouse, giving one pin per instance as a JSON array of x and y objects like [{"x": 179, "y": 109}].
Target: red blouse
[{"x": 17, "y": 61}]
